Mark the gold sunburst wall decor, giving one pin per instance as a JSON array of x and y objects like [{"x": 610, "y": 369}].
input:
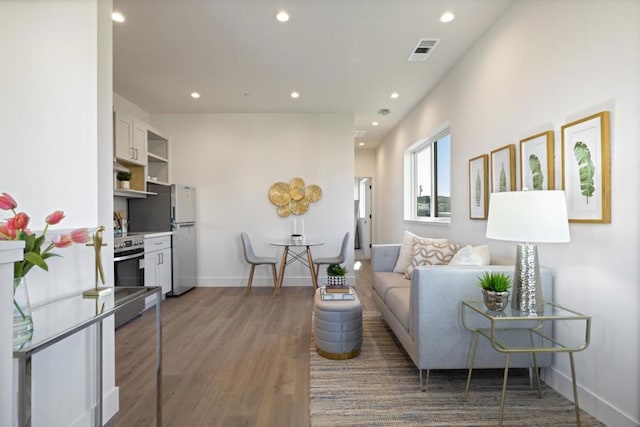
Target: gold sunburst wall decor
[{"x": 293, "y": 197}]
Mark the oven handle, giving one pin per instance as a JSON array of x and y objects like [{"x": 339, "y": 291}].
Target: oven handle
[{"x": 128, "y": 257}]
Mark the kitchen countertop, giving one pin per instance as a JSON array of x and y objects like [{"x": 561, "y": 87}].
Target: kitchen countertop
[{"x": 150, "y": 234}]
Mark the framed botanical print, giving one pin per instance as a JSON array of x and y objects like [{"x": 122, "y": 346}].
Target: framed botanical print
[
  {"x": 478, "y": 191},
  {"x": 503, "y": 169},
  {"x": 586, "y": 169},
  {"x": 536, "y": 162}
]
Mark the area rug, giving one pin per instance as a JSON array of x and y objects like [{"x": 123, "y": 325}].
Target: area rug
[{"x": 381, "y": 388}]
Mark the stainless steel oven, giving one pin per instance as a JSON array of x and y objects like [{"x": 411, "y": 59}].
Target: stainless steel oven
[{"x": 128, "y": 264}]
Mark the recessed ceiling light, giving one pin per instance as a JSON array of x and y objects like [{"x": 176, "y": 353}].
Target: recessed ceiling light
[
  {"x": 374, "y": 123},
  {"x": 282, "y": 16},
  {"x": 361, "y": 144},
  {"x": 195, "y": 95},
  {"x": 117, "y": 16},
  {"x": 395, "y": 95},
  {"x": 447, "y": 17},
  {"x": 295, "y": 95}
]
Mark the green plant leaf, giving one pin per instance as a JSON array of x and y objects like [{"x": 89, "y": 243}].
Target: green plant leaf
[
  {"x": 586, "y": 168},
  {"x": 503, "y": 179},
  {"x": 536, "y": 172},
  {"x": 494, "y": 281},
  {"x": 36, "y": 259},
  {"x": 478, "y": 188}
]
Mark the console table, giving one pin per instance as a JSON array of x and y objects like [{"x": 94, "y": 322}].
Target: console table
[
  {"x": 61, "y": 318},
  {"x": 514, "y": 331}
]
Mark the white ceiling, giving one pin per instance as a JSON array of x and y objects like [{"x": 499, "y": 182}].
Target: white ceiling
[{"x": 342, "y": 56}]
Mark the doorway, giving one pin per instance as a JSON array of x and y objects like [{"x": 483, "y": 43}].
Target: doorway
[{"x": 363, "y": 217}]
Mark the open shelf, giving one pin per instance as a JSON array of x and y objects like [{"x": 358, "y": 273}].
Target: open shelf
[{"x": 133, "y": 194}]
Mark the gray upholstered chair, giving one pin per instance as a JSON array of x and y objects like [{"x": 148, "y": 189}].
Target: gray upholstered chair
[
  {"x": 254, "y": 260},
  {"x": 339, "y": 259}
]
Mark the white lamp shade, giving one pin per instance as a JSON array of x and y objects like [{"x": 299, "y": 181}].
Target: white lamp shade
[{"x": 528, "y": 216}]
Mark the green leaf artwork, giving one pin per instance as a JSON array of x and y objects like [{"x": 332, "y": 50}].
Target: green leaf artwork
[
  {"x": 586, "y": 167},
  {"x": 503, "y": 179},
  {"x": 478, "y": 188},
  {"x": 536, "y": 172}
]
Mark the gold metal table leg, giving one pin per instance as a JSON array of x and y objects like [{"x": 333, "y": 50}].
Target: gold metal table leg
[
  {"x": 472, "y": 359},
  {"x": 504, "y": 386}
]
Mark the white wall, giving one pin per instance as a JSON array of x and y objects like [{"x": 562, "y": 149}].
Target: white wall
[
  {"x": 233, "y": 159},
  {"x": 53, "y": 72},
  {"x": 365, "y": 163},
  {"x": 544, "y": 64}
]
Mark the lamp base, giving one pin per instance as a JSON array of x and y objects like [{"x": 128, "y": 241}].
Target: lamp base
[{"x": 527, "y": 292}]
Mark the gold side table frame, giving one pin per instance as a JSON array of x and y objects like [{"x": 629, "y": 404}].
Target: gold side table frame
[{"x": 530, "y": 338}]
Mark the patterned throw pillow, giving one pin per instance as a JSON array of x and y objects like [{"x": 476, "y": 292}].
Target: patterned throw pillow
[
  {"x": 404, "y": 258},
  {"x": 428, "y": 252}
]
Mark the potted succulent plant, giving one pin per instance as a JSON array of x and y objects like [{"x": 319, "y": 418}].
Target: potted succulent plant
[
  {"x": 335, "y": 275},
  {"x": 495, "y": 290},
  {"x": 123, "y": 179}
]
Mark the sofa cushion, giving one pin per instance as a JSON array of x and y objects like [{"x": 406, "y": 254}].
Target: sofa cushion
[
  {"x": 428, "y": 252},
  {"x": 398, "y": 302},
  {"x": 383, "y": 281},
  {"x": 404, "y": 258},
  {"x": 470, "y": 255}
]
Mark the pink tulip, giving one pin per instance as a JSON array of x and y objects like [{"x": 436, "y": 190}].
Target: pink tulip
[
  {"x": 5, "y": 233},
  {"x": 18, "y": 222},
  {"x": 62, "y": 241},
  {"x": 55, "y": 218},
  {"x": 7, "y": 202},
  {"x": 81, "y": 235}
]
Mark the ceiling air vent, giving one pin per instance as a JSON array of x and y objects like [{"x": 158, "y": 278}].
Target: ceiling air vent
[
  {"x": 422, "y": 49},
  {"x": 359, "y": 133}
]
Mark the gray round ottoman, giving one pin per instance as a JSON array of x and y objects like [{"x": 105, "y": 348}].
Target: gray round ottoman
[{"x": 338, "y": 327}]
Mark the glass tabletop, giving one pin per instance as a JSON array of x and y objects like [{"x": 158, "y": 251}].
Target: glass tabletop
[
  {"x": 292, "y": 243},
  {"x": 551, "y": 311},
  {"x": 64, "y": 316}
]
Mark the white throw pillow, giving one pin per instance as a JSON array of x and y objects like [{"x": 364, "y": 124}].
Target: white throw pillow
[
  {"x": 428, "y": 252},
  {"x": 472, "y": 255},
  {"x": 404, "y": 258}
]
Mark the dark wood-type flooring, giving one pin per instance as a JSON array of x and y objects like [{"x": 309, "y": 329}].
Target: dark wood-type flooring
[{"x": 227, "y": 360}]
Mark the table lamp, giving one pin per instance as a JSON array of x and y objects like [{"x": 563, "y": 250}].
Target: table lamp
[{"x": 529, "y": 217}]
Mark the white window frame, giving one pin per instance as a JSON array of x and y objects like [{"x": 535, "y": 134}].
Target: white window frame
[{"x": 410, "y": 177}]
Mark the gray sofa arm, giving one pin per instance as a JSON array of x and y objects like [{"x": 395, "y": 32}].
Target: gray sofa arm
[
  {"x": 435, "y": 299},
  {"x": 384, "y": 257}
]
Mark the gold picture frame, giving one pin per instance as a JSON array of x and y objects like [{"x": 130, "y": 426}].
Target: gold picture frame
[
  {"x": 536, "y": 162},
  {"x": 478, "y": 191},
  {"x": 586, "y": 169},
  {"x": 503, "y": 169}
]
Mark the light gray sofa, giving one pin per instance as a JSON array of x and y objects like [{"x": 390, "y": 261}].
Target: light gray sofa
[{"x": 424, "y": 313}]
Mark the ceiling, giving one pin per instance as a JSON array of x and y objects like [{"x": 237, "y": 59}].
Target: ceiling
[{"x": 341, "y": 56}]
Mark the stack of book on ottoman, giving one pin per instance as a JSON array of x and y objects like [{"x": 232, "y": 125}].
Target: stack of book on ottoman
[{"x": 337, "y": 293}]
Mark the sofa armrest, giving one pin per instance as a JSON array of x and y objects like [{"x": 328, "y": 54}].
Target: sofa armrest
[{"x": 384, "y": 257}]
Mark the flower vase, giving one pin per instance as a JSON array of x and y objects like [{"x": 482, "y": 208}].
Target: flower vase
[{"x": 22, "y": 320}]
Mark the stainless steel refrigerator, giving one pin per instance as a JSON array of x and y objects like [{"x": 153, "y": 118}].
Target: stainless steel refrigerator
[{"x": 172, "y": 209}]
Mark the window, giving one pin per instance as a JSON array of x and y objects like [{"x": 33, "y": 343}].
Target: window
[{"x": 428, "y": 179}]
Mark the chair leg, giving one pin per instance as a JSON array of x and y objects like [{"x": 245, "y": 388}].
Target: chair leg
[
  {"x": 275, "y": 280},
  {"x": 250, "y": 280}
]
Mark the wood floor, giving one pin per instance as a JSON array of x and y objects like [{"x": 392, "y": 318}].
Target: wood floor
[{"x": 227, "y": 360}]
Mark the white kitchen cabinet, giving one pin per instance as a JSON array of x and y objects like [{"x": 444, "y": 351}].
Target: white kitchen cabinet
[
  {"x": 157, "y": 262},
  {"x": 130, "y": 136}
]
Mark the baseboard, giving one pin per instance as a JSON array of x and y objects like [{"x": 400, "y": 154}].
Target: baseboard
[
  {"x": 262, "y": 281},
  {"x": 110, "y": 406},
  {"x": 589, "y": 401}
]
